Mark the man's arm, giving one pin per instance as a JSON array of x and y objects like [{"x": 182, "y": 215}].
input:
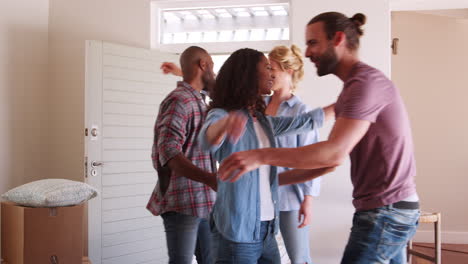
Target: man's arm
[
  {"x": 345, "y": 135},
  {"x": 183, "y": 166},
  {"x": 172, "y": 137},
  {"x": 298, "y": 175},
  {"x": 329, "y": 111}
]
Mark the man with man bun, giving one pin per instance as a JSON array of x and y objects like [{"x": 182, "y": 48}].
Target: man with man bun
[{"x": 372, "y": 127}]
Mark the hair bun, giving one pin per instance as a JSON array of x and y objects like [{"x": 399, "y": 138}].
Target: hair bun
[
  {"x": 296, "y": 51},
  {"x": 359, "y": 19}
]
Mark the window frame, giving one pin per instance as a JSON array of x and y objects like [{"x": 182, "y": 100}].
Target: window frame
[{"x": 213, "y": 47}]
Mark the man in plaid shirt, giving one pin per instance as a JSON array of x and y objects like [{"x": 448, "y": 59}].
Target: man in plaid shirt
[{"x": 184, "y": 193}]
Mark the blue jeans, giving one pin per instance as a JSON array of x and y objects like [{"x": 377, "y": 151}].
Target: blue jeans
[
  {"x": 380, "y": 236},
  {"x": 187, "y": 235},
  {"x": 295, "y": 239},
  {"x": 263, "y": 252}
]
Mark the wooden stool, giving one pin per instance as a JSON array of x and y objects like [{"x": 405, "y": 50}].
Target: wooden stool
[{"x": 434, "y": 218}]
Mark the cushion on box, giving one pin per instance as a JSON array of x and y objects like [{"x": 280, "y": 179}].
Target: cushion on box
[{"x": 51, "y": 193}]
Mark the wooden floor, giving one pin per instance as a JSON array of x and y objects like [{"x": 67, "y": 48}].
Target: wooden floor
[{"x": 451, "y": 253}]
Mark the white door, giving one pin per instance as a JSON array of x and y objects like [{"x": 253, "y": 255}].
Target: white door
[{"x": 124, "y": 87}]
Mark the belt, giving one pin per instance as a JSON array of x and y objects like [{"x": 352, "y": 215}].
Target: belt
[{"x": 405, "y": 205}]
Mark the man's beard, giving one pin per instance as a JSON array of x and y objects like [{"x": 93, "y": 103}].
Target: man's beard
[
  {"x": 208, "y": 83},
  {"x": 327, "y": 62}
]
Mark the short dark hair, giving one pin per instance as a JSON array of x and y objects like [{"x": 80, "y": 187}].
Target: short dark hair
[
  {"x": 334, "y": 22},
  {"x": 190, "y": 57},
  {"x": 236, "y": 85}
]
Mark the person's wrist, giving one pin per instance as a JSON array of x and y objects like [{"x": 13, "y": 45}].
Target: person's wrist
[{"x": 262, "y": 156}]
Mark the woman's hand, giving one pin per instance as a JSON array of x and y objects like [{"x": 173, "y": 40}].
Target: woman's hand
[
  {"x": 231, "y": 126},
  {"x": 305, "y": 212}
]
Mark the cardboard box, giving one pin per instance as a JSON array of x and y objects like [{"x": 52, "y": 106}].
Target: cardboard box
[{"x": 42, "y": 235}]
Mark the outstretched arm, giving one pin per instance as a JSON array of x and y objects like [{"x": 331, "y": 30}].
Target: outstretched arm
[
  {"x": 232, "y": 125},
  {"x": 299, "y": 176},
  {"x": 345, "y": 135},
  {"x": 169, "y": 67}
]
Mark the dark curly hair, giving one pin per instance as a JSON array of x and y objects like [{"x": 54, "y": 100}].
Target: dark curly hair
[{"x": 236, "y": 85}]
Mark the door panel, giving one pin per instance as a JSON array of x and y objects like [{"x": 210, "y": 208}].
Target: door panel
[{"x": 124, "y": 87}]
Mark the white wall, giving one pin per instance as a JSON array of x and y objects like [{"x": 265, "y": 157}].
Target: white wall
[
  {"x": 333, "y": 209},
  {"x": 70, "y": 24},
  {"x": 430, "y": 70},
  {"x": 23, "y": 92}
]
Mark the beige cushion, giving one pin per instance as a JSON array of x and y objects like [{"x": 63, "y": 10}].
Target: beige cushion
[{"x": 51, "y": 193}]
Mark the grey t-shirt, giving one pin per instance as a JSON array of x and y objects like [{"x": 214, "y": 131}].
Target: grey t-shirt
[{"x": 382, "y": 163}]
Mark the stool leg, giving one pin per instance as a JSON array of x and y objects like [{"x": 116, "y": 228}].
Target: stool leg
[
  {"x": 438, "y": 242},
  {"x": 408, "y": 254}
]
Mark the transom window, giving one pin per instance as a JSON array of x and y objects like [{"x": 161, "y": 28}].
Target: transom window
[{"x": 267, "y": 22}]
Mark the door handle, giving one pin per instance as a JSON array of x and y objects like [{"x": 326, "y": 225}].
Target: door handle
[{"x": 95, "y": 164}]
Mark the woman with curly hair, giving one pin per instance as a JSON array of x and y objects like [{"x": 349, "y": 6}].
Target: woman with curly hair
[{"x": 245, "y": 216}]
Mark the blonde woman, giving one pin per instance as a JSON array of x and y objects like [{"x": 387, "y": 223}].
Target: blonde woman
[{"x": 295, "y": 201}]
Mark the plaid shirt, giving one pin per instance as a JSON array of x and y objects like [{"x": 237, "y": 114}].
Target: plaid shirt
[{"x": 181, "y": 116}]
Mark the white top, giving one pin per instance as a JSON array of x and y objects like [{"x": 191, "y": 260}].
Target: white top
[
  {"x": 412, "y": 198},
  {"x": 290, "y": 197},
  {"x": 267, "y": 209}
]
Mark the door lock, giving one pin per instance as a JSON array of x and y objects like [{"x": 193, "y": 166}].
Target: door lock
[{"x": 94, "y": 132}]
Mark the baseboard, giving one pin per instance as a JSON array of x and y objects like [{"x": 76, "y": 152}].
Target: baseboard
[{"x": 447, "y": 237}]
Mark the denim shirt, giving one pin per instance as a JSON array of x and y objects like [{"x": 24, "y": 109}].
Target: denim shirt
[
  {"x": 236, "y": 212},
  {"x": 291, "y": 196}
]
